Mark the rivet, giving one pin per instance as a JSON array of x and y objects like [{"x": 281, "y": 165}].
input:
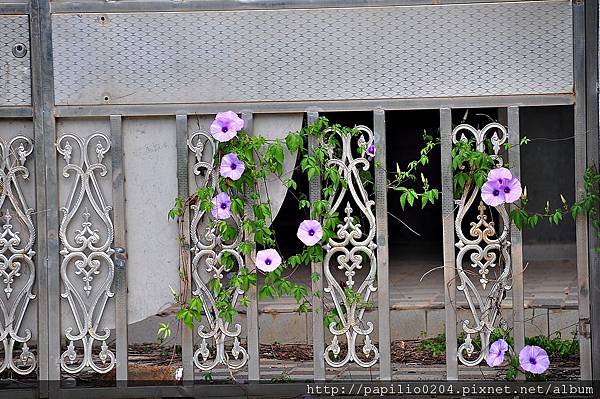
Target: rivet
[{"x": 19, "y": 50}]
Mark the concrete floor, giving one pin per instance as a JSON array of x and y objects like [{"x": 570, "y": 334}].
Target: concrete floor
[
  {"x": 417, "y": 305},
  {"x": 420, "y": 285},
  {"x": 280, "y": 370}
]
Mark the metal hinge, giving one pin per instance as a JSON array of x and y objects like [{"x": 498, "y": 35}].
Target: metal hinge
[
  {"x": 120, "y": 257},
  {"x": 584, "y": 327}
]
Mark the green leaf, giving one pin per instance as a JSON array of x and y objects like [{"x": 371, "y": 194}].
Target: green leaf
[
  {"x": 312, "y": 172},
  {"x": 164, "y": 331},
  {"x": 424, "y": 200},
  {"x": 289, "y": 183},
  {"x": 294, "y": 141},
  {"x": 185, "y": 316},
  {"x": 299, "y": 291},
  {"x": 304, "y": 203},
  {"x": 237, "y": 206},
  {"x": 244, "y": 301},
  {"x": 303, "y": 307},
  {"x": 480, "y": 177},
  {"x": 245, "y": 248},
  {"x": 278, "y": 152},
  {"x": 403, "y": 199},
  {"x": 266, "y": 291},
  {"x": 411, "y": 197},
  {"x": 533, "y": 220}
]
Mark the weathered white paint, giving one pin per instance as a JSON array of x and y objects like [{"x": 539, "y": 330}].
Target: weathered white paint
[{"x": 150, "y": 166}]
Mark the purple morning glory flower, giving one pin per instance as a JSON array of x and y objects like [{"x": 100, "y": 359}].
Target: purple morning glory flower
[
  {"x": 310, "y": 232},
  {"x": 495, "y": 356},
  {"x": 501, "y": 187},
  {"x": 371, "y": 150},
  {"x": 534, "y": 359},
  {"x": 267, "y": 260},
  {"x": 499, "y": 175},
  {"x": 512, "y": 190},
  {"x": 221, "y": 206},
  {"x": 232, "y": 167},
  {"x": 226, "y": 125},
  {"x": 492, "y": 194}
]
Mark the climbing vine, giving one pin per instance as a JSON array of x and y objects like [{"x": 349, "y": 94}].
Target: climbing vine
[{"x": 244, "y": 162}]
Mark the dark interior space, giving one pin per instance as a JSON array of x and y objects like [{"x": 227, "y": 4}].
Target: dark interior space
[
  {"x": 290, "y": 216},
  {"x": 414, "y": 232},
  {"x": 548, "y": 170}
]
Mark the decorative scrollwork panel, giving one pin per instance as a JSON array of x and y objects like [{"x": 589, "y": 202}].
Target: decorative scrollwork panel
[
  {"x": 17, "y": 268},
  {"x": 483, "y": 249},
  {"x": 208, "y": 247},
  {"x": 86, "y": 236},
  {"x": 352, "y": 250}
]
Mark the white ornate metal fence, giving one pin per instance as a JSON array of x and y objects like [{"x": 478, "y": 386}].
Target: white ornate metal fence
[{"x": 89, "y": 89}]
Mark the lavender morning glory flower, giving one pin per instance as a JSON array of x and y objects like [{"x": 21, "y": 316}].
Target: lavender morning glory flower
[
  {"x": 534, "y": 359},
  {"x": 512, "y": 190},
  {"x": 495, "y": 356},
  {"x": 232, "y": 167},
  {"x": 267, "y": 260},
  {"x": 310, "y": 232},
  {"x": 501, "y": 187},
  {"x": 226, "y": 125},
  {"x": 371, "y": 150},
  {"x": 500, "y": 175},
  {"x": 221, "y": 206},
  {"x": 491, "y": 193}
]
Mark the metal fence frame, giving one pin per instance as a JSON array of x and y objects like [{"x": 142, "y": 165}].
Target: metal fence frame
[{"x": 44, "y": 114}]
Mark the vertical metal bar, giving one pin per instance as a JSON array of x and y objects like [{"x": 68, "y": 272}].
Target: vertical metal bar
[
  {"x": 592, "y": 61},
  {"x": 183, "y": 191},
  {"x": 316, "y": 267},
  {"x": 383, "y": 285},
  {"x": 516, "y": 239},
  {"x": 40, "y": 198},
  {"x": 43, "y": 78},
  {"x": 448, "y": 242},
  {"x": 120, "y": 245},
  {"x": 581, "y": 230},
  {"x": 252, "y": 310}
]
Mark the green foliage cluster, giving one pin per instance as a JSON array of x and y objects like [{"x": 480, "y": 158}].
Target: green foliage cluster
[
  {"x": 409, "y": 196},
  {"x": 471, "y": 168},
  {"x": 263, "y": 158}
]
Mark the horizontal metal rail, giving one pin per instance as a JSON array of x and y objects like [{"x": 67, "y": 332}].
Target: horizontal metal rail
[
  {"x": 214, "y": 5},
  {"x": 14, "y": 8},
  {"x": 16, "y": 112},
  {"x": 321, "y": 106}
]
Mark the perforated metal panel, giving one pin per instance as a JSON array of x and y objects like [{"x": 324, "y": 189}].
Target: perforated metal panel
[
  {"x": 325, "y": 54},
  {"x": 15, "y": 83}
]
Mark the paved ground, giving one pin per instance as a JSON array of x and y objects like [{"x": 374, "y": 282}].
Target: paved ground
[
  {"x": 279, "y": 370},
  {"x": 548, "y": 284},
  {"x": 417, "y": 304}
]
